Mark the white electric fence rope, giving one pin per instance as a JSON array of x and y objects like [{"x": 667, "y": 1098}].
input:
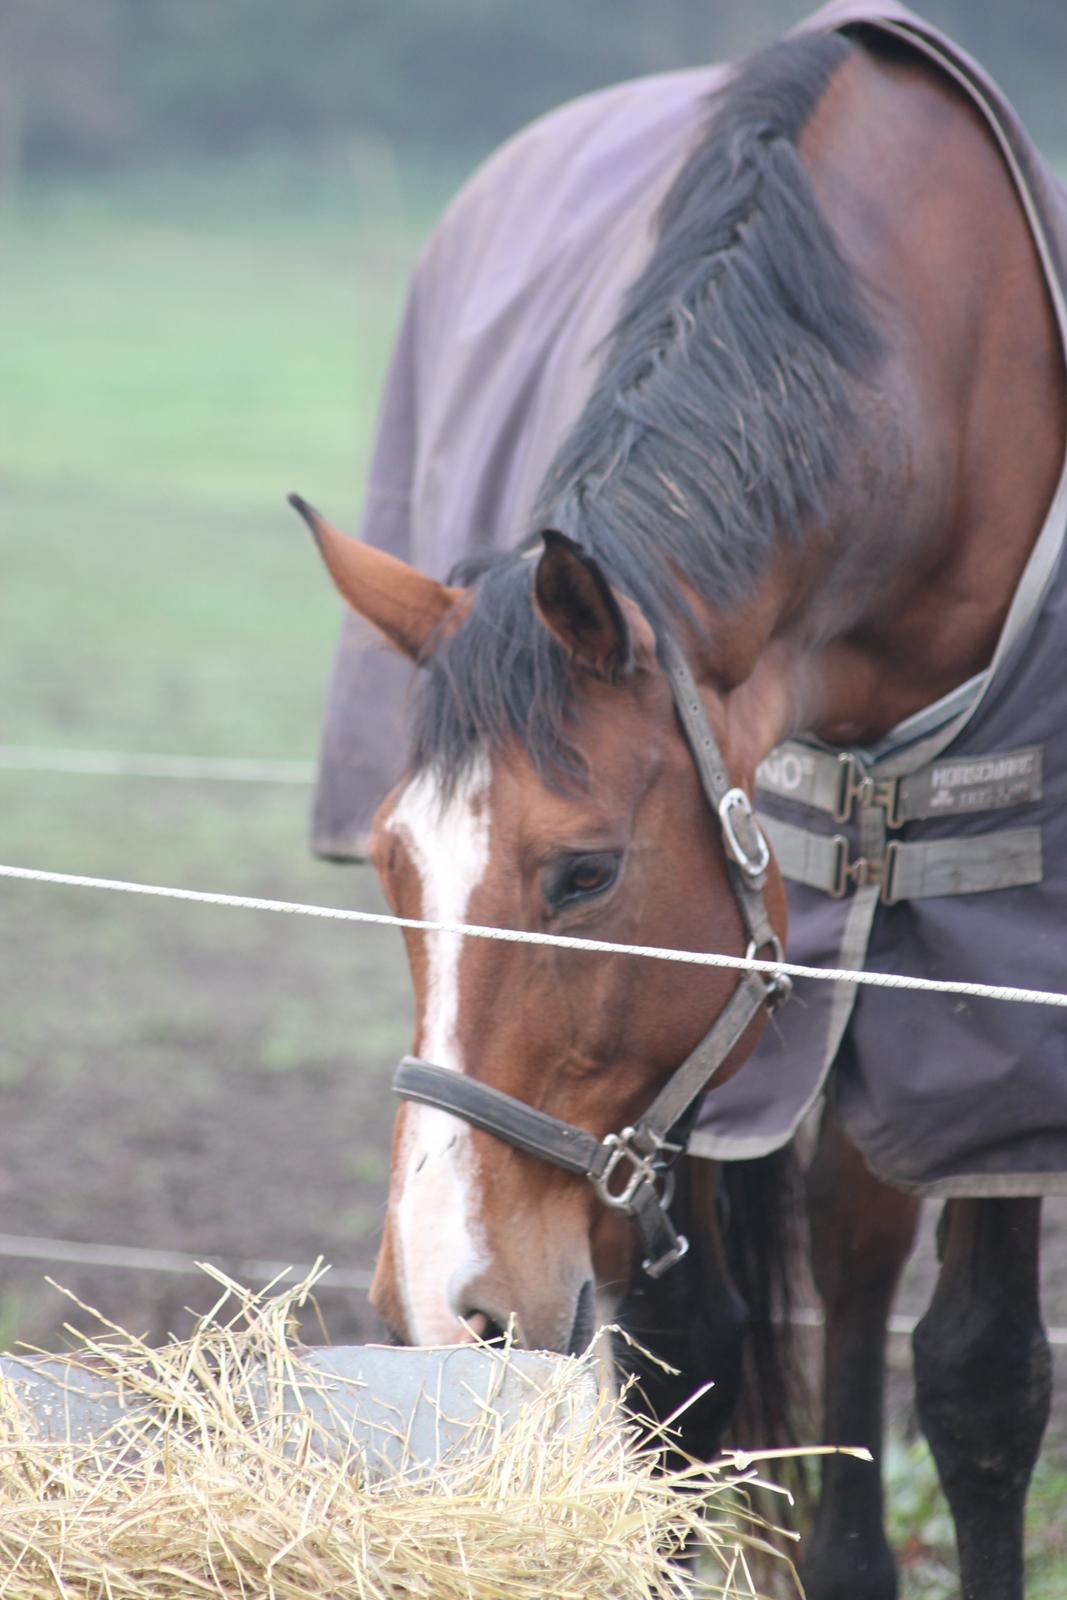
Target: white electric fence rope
[
  {"x": 74, "y": 1252},
  {"x": 121, "y": 764},
  {"x": 698, "y": 958}
]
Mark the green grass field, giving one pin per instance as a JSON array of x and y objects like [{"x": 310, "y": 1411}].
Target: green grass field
[
  {"x": 174, "y": 357},
  {"x": 169, "y": 368}
]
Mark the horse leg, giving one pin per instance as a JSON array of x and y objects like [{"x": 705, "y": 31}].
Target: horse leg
[
  {"x": 861, "y": 1234},
  {"x": 983, "y": 1383}
]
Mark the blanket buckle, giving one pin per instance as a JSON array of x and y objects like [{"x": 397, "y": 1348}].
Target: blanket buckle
[
  {"x": 857, "y": 787},
  {"x": 864, "y": 870}
]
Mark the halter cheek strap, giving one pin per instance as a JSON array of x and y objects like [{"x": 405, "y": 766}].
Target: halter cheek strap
[
  {"x": 630, "y": 1171},
  {"x": 748, "y": 855}
]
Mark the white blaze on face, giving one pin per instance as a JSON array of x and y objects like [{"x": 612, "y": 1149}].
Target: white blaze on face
[{"x": 439, "y": 1236}]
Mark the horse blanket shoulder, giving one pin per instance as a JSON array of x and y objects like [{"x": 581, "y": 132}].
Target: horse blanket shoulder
[
  {"x": 943, "y": 853},
  {"x": 515, "y": 292}
]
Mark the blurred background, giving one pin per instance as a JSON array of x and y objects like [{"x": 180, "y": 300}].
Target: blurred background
[
  {"x": 92, "y": 86},
  {"x": 208, "y": 211}
]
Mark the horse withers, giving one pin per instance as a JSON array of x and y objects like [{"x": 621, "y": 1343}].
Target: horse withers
[{"x": 812, "y": 471}]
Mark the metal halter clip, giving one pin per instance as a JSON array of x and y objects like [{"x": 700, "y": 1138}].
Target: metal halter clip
[
  {"x": 743, "y": 836},
  {"x": 643, "y": 1169},
  {"x": 679, "y": 1250}
]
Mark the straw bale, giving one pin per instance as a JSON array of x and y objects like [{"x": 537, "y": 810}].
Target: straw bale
[{"x": 217, "y": 1482}]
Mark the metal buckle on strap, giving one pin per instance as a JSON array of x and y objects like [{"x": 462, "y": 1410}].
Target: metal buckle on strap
[
  {"x": 855, "y": 786},
  {"x": 669, "y": 1258},
  {"x": 743, "y": 837},
  {"x": 643, "y": 1169},
  {"x": 864, "y": 870},
  {"x": 645, "y": 1195}
]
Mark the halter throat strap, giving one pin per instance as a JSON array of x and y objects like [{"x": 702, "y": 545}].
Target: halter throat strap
[{"x": 631, "y": 1170}]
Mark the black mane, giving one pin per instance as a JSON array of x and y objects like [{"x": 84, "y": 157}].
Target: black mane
[{"x": 713, "y": 429}]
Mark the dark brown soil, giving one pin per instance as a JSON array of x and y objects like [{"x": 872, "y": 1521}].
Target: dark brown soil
[{"x": 263, "y": 1168}]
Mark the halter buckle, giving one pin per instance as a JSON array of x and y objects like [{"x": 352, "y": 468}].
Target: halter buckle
[
  {"x": 743, "y": 837},
  {"x": 644, "y": 1169}
]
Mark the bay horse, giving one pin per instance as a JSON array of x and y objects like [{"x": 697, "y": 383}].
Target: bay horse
[{"x": 816, "y": 455}]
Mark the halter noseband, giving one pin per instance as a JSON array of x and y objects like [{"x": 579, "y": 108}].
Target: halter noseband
[{"x": 630, "y": 1171}]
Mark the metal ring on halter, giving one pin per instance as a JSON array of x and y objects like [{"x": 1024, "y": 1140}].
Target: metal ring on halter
[
  {"x": 754, "y": 866},
  {"x": 779, "y": 984}
]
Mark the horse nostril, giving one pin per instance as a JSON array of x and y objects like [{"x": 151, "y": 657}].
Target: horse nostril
[{"x": 484, "y": 1327}]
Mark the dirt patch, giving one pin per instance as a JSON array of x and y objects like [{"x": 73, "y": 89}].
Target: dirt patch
[{"x": 276, "y": 1167}]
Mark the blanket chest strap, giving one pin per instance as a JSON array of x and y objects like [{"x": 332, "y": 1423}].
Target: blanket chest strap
[
  {"x": 838, "y": 783},
  {"x": 1004, "y": 860}
]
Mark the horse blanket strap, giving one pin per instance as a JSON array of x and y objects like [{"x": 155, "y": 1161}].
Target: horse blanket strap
[
  {"x": 836, "y": 783},
  {"x": 839, "y": 784},
  {"x": 1004, "y": 860}
]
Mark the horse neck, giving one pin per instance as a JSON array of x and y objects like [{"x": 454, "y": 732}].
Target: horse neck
[{"x": 900, "y": 592}]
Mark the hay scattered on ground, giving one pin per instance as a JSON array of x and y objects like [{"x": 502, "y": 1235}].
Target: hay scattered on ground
[{"x": 227, "y": 1489}]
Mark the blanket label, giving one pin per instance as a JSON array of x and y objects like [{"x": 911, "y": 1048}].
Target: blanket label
[
  {"x": 974, "y": 783},
  {"x": 790, "y": 771}
]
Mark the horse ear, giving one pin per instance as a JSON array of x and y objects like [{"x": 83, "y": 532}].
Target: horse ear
[
  {"x": 603, "y": 631},
  {"x": 405, "y": 605}
]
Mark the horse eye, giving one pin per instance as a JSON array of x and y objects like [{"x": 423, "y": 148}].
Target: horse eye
[{"x": 580, "y": 877}]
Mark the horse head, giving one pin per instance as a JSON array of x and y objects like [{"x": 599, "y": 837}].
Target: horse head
[{"x": 607, "y": 835}]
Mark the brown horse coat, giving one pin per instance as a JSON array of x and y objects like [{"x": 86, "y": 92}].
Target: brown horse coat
[{"x": 516, "y": 291}]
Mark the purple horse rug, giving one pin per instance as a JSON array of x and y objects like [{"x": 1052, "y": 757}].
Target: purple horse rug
[{"x": 936, "y": 854}]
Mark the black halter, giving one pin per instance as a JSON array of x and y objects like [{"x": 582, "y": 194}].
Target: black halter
[{"x": 630, "y": 1171}]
